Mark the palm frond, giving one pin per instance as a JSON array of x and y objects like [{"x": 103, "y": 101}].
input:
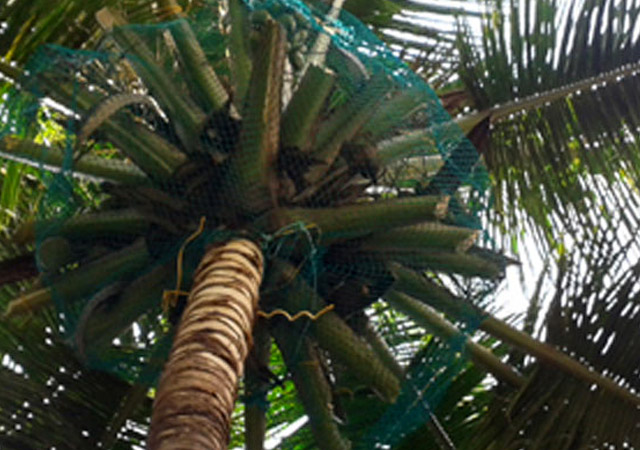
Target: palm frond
[
  {"x": 45, "y": 389},
  {"x": 30, "y": 24},
  {"x": 562, "y": 141},
  {"x": 594, "y": 318}
]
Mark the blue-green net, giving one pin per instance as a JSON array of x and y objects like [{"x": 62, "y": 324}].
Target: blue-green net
[{"x": 164, "y": 125}]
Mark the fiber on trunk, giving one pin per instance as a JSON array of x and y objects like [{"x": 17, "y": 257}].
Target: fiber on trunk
[{"x": 198, "y": 387}]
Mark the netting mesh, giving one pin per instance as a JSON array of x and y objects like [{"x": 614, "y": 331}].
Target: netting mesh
[{"x": 270, "y": 120}]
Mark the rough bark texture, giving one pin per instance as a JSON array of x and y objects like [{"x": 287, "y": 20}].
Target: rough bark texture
[{"x": 198, "y": 387}]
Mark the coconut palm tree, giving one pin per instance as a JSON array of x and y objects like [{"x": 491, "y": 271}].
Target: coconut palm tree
[
  {"x": 285, "y": 205},
  {"x": 289, "y": 182}
]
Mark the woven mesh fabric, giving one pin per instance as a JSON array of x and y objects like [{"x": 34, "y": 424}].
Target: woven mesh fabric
[{"x": 274, "y": 121}]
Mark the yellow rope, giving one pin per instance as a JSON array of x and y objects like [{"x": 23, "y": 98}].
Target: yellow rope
[
  {"x": 292, "y": 229},
  {"x": 170, "y": 298},
  {"x": 296, "y": 316}
]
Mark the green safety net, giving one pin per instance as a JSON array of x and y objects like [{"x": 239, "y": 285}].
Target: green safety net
[{"x": 287, "y": 123}]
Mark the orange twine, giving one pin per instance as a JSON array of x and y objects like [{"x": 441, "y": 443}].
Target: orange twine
[
  {"x": 170, "y": 298},
  {"x": 296, "y": 316}
]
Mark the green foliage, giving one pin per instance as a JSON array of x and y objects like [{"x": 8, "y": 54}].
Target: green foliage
[
  {"x": 569, "y": 165},
  {"x": 565, "y": 106},
  {"x": 157, "y": 99},
  {"x": 46, "y": 389}
]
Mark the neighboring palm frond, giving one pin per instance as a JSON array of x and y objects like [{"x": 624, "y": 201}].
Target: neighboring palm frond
[
  {"x": 29, "y": 24},
  {"x": 561, "y": 145},
  {"x": 596, "y": 319},
  {"x": 50, "y": 399}
]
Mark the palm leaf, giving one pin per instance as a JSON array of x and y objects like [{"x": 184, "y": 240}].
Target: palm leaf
[
  {"x": 593, "y": 317},
  {"x": 553, "y": 88},
  {"x": 45, "y": 389}
]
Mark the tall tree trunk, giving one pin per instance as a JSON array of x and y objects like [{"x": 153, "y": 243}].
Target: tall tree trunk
[{"x": 198, "y": 387}]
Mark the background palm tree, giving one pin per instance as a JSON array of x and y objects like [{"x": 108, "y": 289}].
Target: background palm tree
[{"x": 555, "y": 178}]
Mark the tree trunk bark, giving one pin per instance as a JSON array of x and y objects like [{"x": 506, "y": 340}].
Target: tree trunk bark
[{"x": 197, "y": 390}]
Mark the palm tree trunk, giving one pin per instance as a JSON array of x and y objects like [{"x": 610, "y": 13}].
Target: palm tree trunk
[{"x": 197, "y": 390}]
